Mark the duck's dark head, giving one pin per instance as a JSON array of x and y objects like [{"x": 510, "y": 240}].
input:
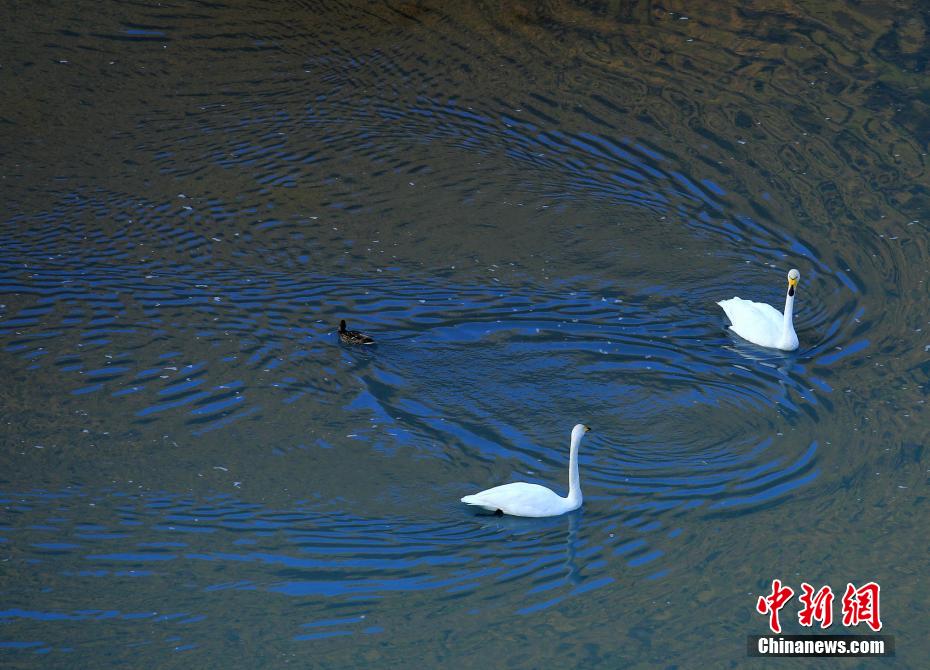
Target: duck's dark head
[{"x": 342, "y": 326}]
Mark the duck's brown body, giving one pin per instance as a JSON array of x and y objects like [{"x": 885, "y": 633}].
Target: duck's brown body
[{"x": 353, "y": 336}]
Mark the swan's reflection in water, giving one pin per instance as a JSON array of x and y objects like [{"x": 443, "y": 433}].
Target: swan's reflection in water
[{"x": 553, "y": 536}]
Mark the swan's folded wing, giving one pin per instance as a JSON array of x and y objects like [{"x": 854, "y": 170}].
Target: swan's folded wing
[
  {"x": 754, "y": 321},
  {"x": 518, "y": 499}
]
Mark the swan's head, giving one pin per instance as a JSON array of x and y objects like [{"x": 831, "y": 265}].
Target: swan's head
[
  {"x": 793, "y": 277},
  {"x": 578, "y": 431}
]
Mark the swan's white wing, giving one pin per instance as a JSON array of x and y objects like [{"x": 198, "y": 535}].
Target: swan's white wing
[
  {"x": 754, "y": 321},
  {"x": 520, "y": 499}
]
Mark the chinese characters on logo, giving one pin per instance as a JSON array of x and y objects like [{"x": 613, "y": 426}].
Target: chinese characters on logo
[
  {"x": 772, "y": 604},
  {"x": 816, "y": 608},
  {"x": 859, "y": 605}
]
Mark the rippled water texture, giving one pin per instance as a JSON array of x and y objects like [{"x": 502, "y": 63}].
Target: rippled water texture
[{"x": 533, "y": 208}]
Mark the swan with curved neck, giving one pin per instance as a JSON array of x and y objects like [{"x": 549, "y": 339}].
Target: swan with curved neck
[
  {"x": 762, "y": 324},
  {"x": 533, "y": 500}
]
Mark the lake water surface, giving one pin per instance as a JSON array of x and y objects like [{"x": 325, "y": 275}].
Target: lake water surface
[{"x": 533, "y": 207}]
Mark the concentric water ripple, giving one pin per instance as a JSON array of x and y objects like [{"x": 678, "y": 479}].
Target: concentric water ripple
[{"x": 645, "y": 367}]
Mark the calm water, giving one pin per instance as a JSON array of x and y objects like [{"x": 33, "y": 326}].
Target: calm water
[{"x": 534, "y": 210}]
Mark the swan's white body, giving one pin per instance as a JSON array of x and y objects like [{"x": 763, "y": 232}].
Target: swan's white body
[
  {"x": 762, "y": 324},
  {"x": 523, "y": 499}
]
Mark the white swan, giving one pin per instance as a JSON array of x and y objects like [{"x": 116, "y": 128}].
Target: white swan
[
  {"x": 522, "y": 499},
  {"x": 762, "y": 324}
]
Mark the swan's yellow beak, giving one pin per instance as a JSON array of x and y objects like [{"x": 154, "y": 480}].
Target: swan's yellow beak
[
  {"x": 587, "y": 429},
  {"x": 792, "y": 282}
]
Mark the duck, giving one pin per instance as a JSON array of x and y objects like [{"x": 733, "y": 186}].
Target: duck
[
  {"x": 761, "y": 323},
  {"x": 353, "y": 336},
  {"x": 532, "y": 500}
]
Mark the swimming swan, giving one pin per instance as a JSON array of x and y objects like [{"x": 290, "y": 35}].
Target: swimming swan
[
  {"x": 522, "y": 499},
  {"x": 762, "y": 324}
]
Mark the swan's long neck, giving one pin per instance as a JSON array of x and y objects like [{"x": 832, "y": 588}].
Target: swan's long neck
[
  {"x": 574, "y": 483},
  {"x": 787, "y": 329}
]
